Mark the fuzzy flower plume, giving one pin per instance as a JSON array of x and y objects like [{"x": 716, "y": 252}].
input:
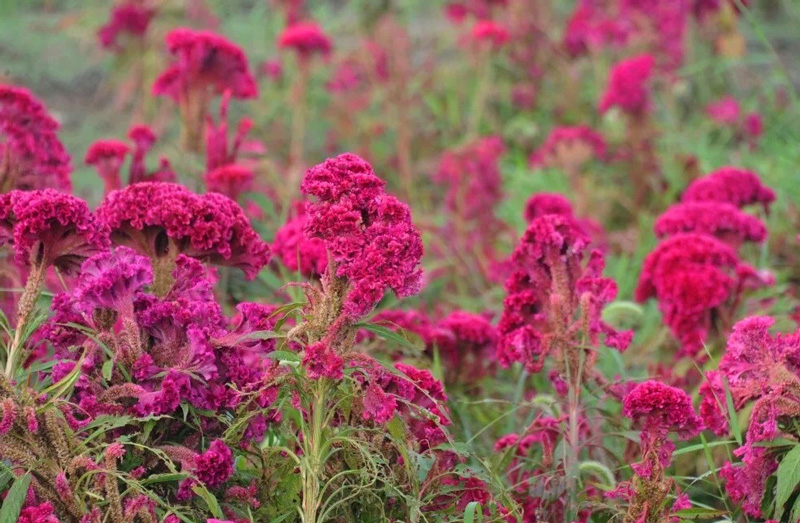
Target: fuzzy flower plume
[
  {"x": 47, "y": 227},
  {"x": 159, "y": 219},
  {"x": 204, "y": 61},
  {"x": 306, "y": 39},
  {"x": 368, "y": 233},
  {"x": 761, "y": 370},
  {"x": 722, "y": 220},
  {"x": 736, "y": 186},
  {"x": 131, "y": 17},
  {"x": 296, "y": 250},
  {"x": 550, "y": 281},
  {"x": 692, "y": 276},
  {"x": 569, "y": 147},
  {"x": 627, "y": 85},
  {"x": 107, "y": 157},
  {"x": 31, "y": 155},
  {"x": 218, "y": 152}
]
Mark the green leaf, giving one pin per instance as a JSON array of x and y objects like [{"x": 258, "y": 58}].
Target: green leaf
[
  {"x": 698, "y": 513},
  {"x": 108, "y": 368},
  {"x": 208, "y": 497},
  {"x": 12, "y": 505},
  {"x": 788, "y": 479},
  {"x": 388, "y": 335},
  {"x": 164, "y": 478},
  {"x": 259, "y": 335},
  {"x": 284, "y": 355},
  {"x": 473, "y": 509}
]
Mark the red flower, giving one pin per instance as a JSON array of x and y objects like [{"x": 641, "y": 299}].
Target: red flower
[
  {"x": 491, "y": 32},
  {"x": 306, "y": 38},
  {"x": 732, "y": 185},
  {"x": 721, "y": 220},
  {"x": 130, "y": 17},
  {"x": 627, "y": 85},
  {"x": 107, "y": 157}
]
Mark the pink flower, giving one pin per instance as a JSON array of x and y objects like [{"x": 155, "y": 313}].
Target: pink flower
[
  {"x": 218, "y": 153},
  {"x": 691, "y": 275},
  {"x": 130, "y": 17},
  {"x": 107, "y": 157},
  {"x": 570, "y": 145},
  {"x": 9, "y": 415},
  {"x": 590, "y": 28},
  {"x": 306, "y": 38},
  {"x": 115, "y": 450},
  {"x": 38, "y": 514},
  {"x": 154, "y": 217},
  {"x": 215, "y": 466},
  {"x": 204, "y": 61},
  {"x": 272, "y": 69},
  {"x": 48, "y": 228},
  {"x": 746, "y": 483},
  {"x": 721, "y": 220},
  {"x": 112, "y": 280},
  {"x": 753, "y": 125},
  {"x": 31, "y": 155},
  {"x": 659, "y": 407},
  {"x": 732, "y": 185},
  {"x": 467, "y": 343},
  {"x": 725, "y": 111},
  {"x": 490, "y": 32},
  {"x": 368, "y": 233},
  {"x": 544, "y": 203},
  {"x": 628, "y": 85},
  {"x": 230, "y": 180},
  {"x": 378, "y": 405},
  {"x": 321, "y": 361},
  {"x": 296, "y": 250}
]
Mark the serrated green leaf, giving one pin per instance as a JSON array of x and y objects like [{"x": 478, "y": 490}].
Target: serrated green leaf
[
  {"x": 788, "y": 478},
  {"x": 12, "y": 505}
]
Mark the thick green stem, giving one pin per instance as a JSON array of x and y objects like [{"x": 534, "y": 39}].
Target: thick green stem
[{"x": 312, "y": 475}]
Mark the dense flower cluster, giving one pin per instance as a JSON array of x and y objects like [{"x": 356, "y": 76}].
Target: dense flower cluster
[
  {"x": 549, "y": 282},
  {"x": 306, "y": 39},
  {"x": 296, "y": 250},
  {"x": 736, "y": 186},
  {"x": 131, "y": 17},
  {"x": 161, "y": 219},
  {"x": 628, "y": 85},
  {"x": 721, "y": 220},
  {"x": 492, "y": 33},
  {"x": 31, "y": 155},
  {"x": 368, "y": 233},
  {"x": 569, "y": 147}
]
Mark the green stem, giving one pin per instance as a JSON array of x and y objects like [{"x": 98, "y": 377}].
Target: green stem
[
  {"x": 313, "y": 471},
  {"x": 25, "y": 308}
]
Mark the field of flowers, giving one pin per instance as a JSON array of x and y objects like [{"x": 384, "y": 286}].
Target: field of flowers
[{"x": 399, "y": 260}]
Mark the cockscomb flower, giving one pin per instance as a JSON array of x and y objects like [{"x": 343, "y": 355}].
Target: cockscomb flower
[
  {"x": 296, "y": 250},
  {"x": 306, "y": 39},
  {"x": 218, "y": 152},
  {"x": 628, "y": 85},
  {"x": 661, "y": 408},
  {"x": 131, "y": 17},
  {"x": 112, "y": 280},
  {"x": 231, "y": 180},
  {"x": 746, "y": 483},
  {"x": 725, "y": 111},
  {"x": 722, "y": 220},
  {"x": 736, "y": 186},
  {"x": 591, "y": 28},
  {"x": 467, "y": 345},
  {"x": 321, "y": 361},
  {"x": 204, "y": 61},
  {"x": 31, "y": 155},
  {"x": 159, "y": 219},
  {"x": 215, "y": 466},
  {"x": 549, "y": 283},
  {"x": 50, "y": 228},
  {"x": 692, "y": 276},
  {"x": 544, "y": 203},
  {"x": 489, "y": 32},
  {"x": 481, "y": 9},
  {"x": 42, "y": 513},
  {"x": 143, "y": 139},
  {"x": 368, "y": 233},
  {"x": 107, "y": 157},
  {"x": 569, "y": 148}
]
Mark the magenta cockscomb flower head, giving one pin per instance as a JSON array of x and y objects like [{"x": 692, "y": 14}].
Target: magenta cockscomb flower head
[
  {"x": 692, "y": 276},
  {"x": 296, "y": 250},
  {"x": 736, "y": 186},
  {"x": 628, "y": 85},
  {"x": 321, "y": 361},
  {"x": 214, "y": 466},
  {"x": 107, "y": 157},
  {"x": 112, "y": 280},
  {"x": 143, "y": 139},
  {"x": 218, "y": 152},
  {"x": 569, "y": 147},
  {"x": 544, "y": 203},
  {"x": 369, "y": 234},
  {"x": 50, "y": 228},
  {"x": 591, "y": 28},
  {"x": 231, "y": 180},
  {"x": 159, "y": 219},
  {"x": 42, "y": 513},
  {"x": 549, "y": 283},
  {"x": 467, "y": 344},
  {"x": 722, "y": 220},
  {"x": 746, "y": 483},
  {"x": 31, "y": 155},
  {"x": 725, "y": 111},
  {"x": 132, "y": 17},
  {"x": 489, "y": 32},
  {"x": 459, "y": 10},
  {"x": 306, "y": 39},
  {"x": 207, "y": 62}
]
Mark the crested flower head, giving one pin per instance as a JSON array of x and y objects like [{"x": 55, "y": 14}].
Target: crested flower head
[
  {"x": 725, "y": 111},
  {"x": 156, "y": 218},
  {"x": 489, "y": 32},
  {"x": 231, "y": 180},
  {"x": 590, "y": 27},
  {"x": 112, "y": 280},
  {"x": 736, "y": 186},
  {"x": 296, "y": 250},
  {"x": 719, "y": 219},
  {"x": 31, "y": 155},
  {"x": 47, "y": 227},
  {"x": 544, "y": 203},
  {"x": 143, "y": 139},
  {"x": 659, "y": 407},
  {"x": 204, "y": 61},
  {"x": 130, "y": 17},
  {"x": 691, "y": 275},
  {"x": 214, "y": 466},
  {"x": 107, "y": 157},
  {"x": 306, "y": 39},
  {"x": 628, "y": 85},
  {"x": 368, "y": 233},
  {"x": 218, "y": 151},
  {"x": 467, "y": 344},
  {"x": 569, "y": 147}
]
